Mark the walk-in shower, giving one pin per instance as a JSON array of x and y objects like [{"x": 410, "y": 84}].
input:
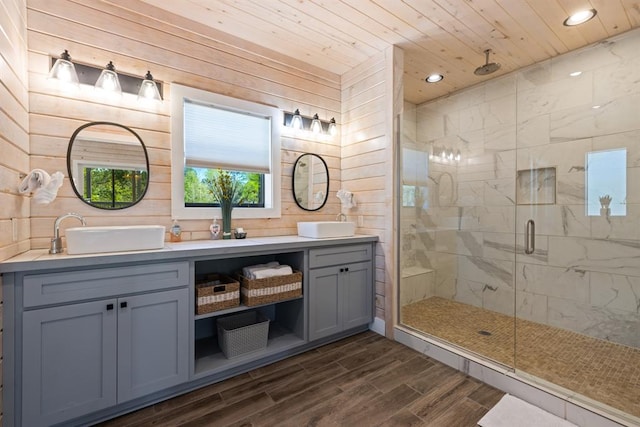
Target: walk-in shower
[{"x": 523, "y": 248}]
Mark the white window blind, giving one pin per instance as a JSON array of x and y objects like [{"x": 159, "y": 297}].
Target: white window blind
[{"x": 220, "y": 138}]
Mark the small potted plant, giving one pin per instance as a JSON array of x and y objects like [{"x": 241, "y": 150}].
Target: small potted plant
[{"x": 227, "y": 191}]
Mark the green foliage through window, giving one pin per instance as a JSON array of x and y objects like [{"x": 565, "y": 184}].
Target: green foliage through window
[
  {"x": 113, "y": 188},
  {"x": 197, "y": 187}
]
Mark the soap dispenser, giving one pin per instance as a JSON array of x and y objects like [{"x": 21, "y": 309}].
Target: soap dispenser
[
  {"x": 215, "y": 229},
  {"x": 175, "y": 233}
]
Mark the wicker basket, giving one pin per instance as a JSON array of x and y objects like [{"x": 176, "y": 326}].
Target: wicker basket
[
  {"x": 271, "y": 289},
  {"x": 217, "y": 292},
  {"x": 242, "y": 333}
]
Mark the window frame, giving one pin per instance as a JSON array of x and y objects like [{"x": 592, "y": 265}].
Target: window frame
[{"x": 272, "y": 181}]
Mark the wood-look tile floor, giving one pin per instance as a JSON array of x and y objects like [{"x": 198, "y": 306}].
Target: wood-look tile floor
[{"x": 363, "y": 380}]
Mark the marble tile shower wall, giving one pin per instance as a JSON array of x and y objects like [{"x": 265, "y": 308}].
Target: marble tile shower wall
[{"x": 585, "y": 272}]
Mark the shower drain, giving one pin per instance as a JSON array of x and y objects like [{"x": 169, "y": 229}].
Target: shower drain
[{"x": 486, "y": 333}]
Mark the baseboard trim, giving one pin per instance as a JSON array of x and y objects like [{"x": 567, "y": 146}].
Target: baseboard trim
[{"x": 378, "y": 326}]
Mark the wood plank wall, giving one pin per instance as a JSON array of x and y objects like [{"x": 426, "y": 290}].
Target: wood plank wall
[
  {"x": 14, "y": 127},
  {"x": 14, "y": 138},
  {"x": 137, "y": 38},
  {"x": 367, "y": 165}
]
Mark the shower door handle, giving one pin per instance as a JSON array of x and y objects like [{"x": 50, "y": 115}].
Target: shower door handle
[{"x": 530, "y": 237}]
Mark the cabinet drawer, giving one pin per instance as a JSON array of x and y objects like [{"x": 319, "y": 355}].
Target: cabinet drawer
[
  {"x": 54, "y": 288},
  {"x": 339, "y": 255}
]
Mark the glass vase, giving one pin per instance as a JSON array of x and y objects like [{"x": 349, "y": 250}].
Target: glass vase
[{"x": 226, "y": 208}]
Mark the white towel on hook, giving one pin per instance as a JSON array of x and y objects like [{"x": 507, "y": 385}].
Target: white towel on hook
[
  {"x": 46, "y": 194},
  {"x": 36, "y": 179}
]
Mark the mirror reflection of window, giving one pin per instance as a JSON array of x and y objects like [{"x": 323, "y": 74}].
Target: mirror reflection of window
[
  {"x": 415, "y": 175},
  {"x": 113, "y": 188},
  {"x": 606, "y": 182}
]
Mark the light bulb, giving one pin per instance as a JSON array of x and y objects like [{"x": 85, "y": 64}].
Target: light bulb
[
  {"x": 64, "y": 70},
  {"x": 108, "y": 80},
  {"x": 148, "y": 88},
  {"x": 296, "y": 120},
  {"x": 333, "y": 129},
  {"x": 316, "y": 126}
]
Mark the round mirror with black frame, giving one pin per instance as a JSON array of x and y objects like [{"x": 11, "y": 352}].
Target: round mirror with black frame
[
  {"x": 108, "y": 165},
  {"x": 310, "y": 182}
]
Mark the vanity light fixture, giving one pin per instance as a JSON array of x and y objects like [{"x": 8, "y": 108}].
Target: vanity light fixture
[
  {"x": 575, "y": 74},
  {"x": 580, "y": 17},
  {"x": 149, "y": 89},
  {"x": 310, "y": 124},
  {"x": 108, "y": 80},
  {"x": 64, "y": 70},
  {"x": 434, "y": 78}
]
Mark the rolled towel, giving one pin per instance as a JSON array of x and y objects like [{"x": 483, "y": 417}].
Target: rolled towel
[
  {"x": 249, "y": 270},
  {"x": 46, "y": 195},
  {"x": 281, "y": 270},
  {"x": 36, "y": 179}
]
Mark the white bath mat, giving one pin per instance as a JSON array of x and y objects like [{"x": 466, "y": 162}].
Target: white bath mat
[{"x": 511, "y": 412}]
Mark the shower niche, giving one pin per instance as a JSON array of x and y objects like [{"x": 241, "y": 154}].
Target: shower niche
[{"x": 536, "y": 186}]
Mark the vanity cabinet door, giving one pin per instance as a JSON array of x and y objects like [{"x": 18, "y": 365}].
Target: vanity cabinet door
[
  {"x": 69, "y": 361},
  {"x": 153, "y": 342},
  {"x": 357, "y": 295},
  {"x": 325, "y": 302}
]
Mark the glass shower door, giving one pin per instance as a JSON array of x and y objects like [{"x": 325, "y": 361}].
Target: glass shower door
[{"x": 577, "y": 267}]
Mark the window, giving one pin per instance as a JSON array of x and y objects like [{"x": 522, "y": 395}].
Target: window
[
  {"x": 607, "y": 182},
  {"x": 211, "y": 131}
]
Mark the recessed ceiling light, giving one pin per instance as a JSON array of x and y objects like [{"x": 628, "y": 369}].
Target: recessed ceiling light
[
  {"x": 580, "y": 17},
  {"x": 434, "y": 78},
  {"x": 595, "y": 107},
  {"x": 575, "y": 73}
]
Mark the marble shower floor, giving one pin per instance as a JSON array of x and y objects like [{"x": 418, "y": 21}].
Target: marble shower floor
[{"x": 598, "y": 369}]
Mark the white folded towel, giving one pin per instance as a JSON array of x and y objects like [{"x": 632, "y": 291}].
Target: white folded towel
[
  {"x": 45, "y": 195},
  {"x": 281, "y": 270},
  {"x": 249, "y": 271},
  {"x": 36, "y": 179}
]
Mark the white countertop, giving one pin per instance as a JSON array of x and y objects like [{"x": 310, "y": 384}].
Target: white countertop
[{"x": 40, "y": 259}]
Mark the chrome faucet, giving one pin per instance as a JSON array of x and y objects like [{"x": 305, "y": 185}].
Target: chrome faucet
[
  {"x": 56, "y": 241},
  {"x": 341, "y": 217}
]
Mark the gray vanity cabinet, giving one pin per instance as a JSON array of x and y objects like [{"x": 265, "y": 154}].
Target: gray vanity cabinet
[
  {"x": 340, "y": 289},
  {"x": 82, "y": 356},
  {"x": 89, "y": 338}
]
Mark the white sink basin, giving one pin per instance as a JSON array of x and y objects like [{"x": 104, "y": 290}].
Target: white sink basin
[
  {"x": 326, "y": 229},
  {"x": 118, "y": 238}
]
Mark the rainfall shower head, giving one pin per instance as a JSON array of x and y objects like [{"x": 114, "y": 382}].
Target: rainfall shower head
[{"x": 487, "y": 68}]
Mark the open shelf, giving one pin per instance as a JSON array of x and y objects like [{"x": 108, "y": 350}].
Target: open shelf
[
  {"x": 241, "y": 307},
  {"x": 210, "y": 359}
]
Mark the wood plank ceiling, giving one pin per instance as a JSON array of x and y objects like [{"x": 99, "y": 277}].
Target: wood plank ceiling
[{"x": 438, "y": 36}]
